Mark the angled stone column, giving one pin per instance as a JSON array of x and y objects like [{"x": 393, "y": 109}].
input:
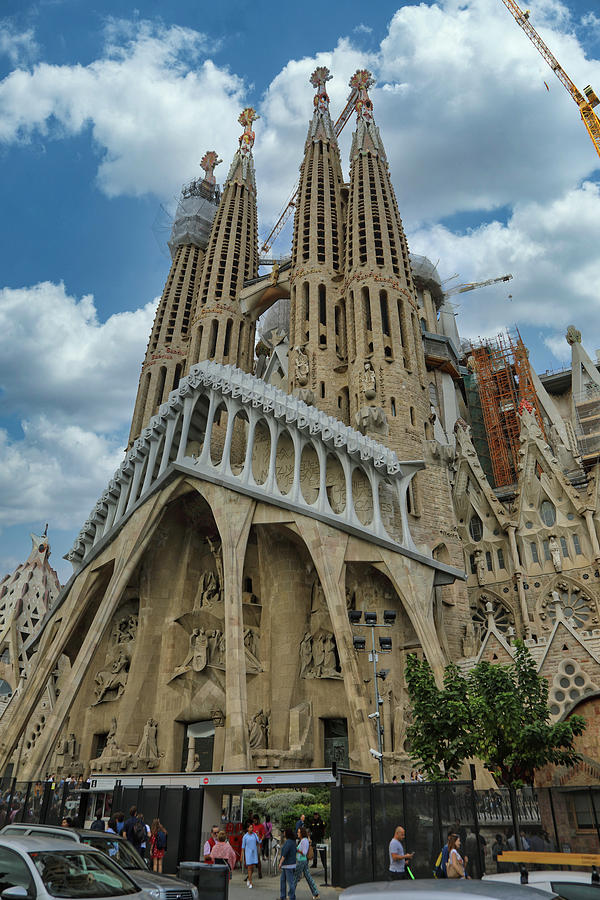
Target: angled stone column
[
  {"x": 233, "y": 514},
  {"x": 327, "y": 548}
]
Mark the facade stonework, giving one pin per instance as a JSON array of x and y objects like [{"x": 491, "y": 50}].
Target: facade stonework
[{"x": 352, "y": 463}]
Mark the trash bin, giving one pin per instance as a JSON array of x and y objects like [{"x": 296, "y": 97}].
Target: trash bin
[{"x": 212, "y": 881}]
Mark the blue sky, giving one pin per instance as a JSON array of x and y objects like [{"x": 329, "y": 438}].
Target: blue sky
[{"x": 106, "y": 109}]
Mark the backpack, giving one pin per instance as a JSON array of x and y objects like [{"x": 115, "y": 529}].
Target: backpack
[
  {"x": 139, "y": 832},
  {"x": 161, "y": 840},
  {"x": 439, "y": 870}
]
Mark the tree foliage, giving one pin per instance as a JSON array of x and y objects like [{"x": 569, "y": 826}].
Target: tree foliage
[
  {"x": 498, "y": 713},
  {"x": 441, "y": 736}
]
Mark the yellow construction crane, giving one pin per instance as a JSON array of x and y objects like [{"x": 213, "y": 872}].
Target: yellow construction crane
[
  {"x": 586, "y": 104},
  {"x": 473, "y": 285},
  {"x": 291, "y": 204}
]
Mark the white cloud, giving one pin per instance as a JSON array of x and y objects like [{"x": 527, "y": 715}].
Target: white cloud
[
  {"x": 548, "y": 248},
  {"x": 150, "y": 105},
  {"x": 71, "y": 381},
  {"x": 57, "y": 358},
  {"x": 18, "y": 46},
  {"x": 55, "y": 472}
]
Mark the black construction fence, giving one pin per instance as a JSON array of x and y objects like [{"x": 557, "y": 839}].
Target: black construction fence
[
  {"x": 364, "y": 817},
  {"x": 363, "y": 820},
  {"x": 46, "y": 803}
]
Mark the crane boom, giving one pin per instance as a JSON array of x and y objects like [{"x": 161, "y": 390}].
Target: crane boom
[
  {"x": 472, "y": 286},
  {"x": 585, "y": 103},
  {"x": 291, "y": 204}
]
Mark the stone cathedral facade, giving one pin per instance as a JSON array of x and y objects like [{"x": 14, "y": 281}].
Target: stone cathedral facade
[{"x": 271, "y": 486}]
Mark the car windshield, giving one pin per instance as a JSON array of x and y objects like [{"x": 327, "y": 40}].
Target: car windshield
[
  {"x": 72, "y": 874},
  {"x": 119, "y": 850},
  {"x": 576, "y": 890}
]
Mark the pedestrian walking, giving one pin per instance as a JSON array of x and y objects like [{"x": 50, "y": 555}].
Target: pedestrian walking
[
  {"x": 129, "y": 824},
  {"x": 302, "y": 854},
  {"x": 98, "y": 823},
  {"x": 398, "y": 856},
  {"x": 456, "y": 864},
  {"x": 317, "y": 834},
  {"x": 223, "y": 852},
  {"x": 287, "y": 867},
  {"x": 299, "y": 823},
  {"x": 441, "y": 864},
  {"x": 250, "y": 851},
  {"x": 210, "y": 843},
  {"x": 266, "y": 843},
  {"x": 259, "y": 831},
  {"x": 158, "y": 845}
]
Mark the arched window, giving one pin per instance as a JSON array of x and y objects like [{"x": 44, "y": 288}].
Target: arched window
[
  {"x": 476, "y": 528},
  {"x": 548, "y": 513},
  {"x": 212, "y": 343}
]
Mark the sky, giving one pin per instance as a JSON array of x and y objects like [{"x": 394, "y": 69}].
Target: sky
[{"x": 106, "y": 109}]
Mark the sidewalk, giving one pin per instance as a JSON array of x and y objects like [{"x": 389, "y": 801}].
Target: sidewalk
[{"x": 267, "y": 887}]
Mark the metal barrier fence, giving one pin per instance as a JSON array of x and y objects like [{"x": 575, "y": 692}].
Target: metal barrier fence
[{"x": 363, "y": 819}]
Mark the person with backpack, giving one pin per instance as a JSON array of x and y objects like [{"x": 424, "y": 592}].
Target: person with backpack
[
  {"x": 158, "y": 845},
  {"x": 98, "y": 823},
  {"x": 441, "y": 862},
  {"x": 129, "y": 823},
  {"x": 140, "y": 835},
  {"x": 303, "y": 855}
]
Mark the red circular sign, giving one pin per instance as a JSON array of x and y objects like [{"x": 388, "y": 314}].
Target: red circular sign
[
  {"x": 259, "y": 779},
  {"x": 205, "y": 780}
]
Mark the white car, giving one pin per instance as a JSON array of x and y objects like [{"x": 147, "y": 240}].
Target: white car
[
  {"x": 574, "y": 885},
  {"x": 43, "y": 869},
  {"x": 433, "y": 889}
]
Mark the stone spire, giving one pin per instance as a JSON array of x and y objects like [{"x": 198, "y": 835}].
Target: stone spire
[
  {"x": 25, "y": 597},
  {"x": 385, "y": 352},
  {"x": 220, "y": 332},
  {"x": 166, "y": 354},
  {"x": 318, "y": 356}
]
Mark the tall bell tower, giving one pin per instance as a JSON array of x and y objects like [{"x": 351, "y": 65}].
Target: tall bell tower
[
  {"x": 318, "y": 364},
  {"x": 220, "y": 331},
  {"x": 166, "y": 355},
  {"x": 385, "y": 351}
]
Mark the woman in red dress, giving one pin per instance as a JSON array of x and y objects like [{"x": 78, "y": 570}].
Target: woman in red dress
[{"x": 158, "y": 844}]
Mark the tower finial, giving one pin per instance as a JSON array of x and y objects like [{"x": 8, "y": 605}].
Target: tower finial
[
  {"x": 319, "y": 79},
  {"x": 209, "y": 162},
  {"x": 246, "y": 118},
  {"x": 361, "y": 81}
]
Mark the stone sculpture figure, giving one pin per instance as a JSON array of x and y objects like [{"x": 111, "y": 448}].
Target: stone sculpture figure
[
  {"x": 554, "y": 547},
  {"x": 368, "y": 381},
  {"x": 113, "y": 680},
  {"x": 480, "y": 566},
  {"x": 147, "y": 751},
  {"x": 301, "y": 366},
  {"x": 329, "y": 662},
  {"x": 469, "y": 642},
  {"x": 305, "y": 654},
  {"x": 251, "y": 648},
  {"x": 197, "y": 656},
  {"x": 258, "y": 730},
  {"x": 318, "y": 653}
]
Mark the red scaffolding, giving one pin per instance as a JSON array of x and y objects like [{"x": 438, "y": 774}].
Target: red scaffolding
[{"x": 505, "y": 386}]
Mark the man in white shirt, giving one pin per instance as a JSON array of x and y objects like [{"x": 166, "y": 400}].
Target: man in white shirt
[{"x": 397, "y": 855}]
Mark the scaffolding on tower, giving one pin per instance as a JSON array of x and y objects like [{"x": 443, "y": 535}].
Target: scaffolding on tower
[{"x": 505, "y": 388}]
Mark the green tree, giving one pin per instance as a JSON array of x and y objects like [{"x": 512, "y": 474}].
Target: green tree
[
  {"x": 498, "y": 713},
  {"x": 514, "y": 736},
  {"x": 441, "y": 736}
]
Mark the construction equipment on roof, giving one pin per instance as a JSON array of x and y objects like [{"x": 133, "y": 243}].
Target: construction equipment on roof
[
  {"x": 586, "y": 104},
  {"x": 505, "y": 387},
  {"x": 473, "y": 285},
  {"x": 291, "y": 204}
]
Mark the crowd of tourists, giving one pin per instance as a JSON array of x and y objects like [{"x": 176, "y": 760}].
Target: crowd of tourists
[
  {"x": 150, "y": 841},
  {"x": 296, "y": 852}
]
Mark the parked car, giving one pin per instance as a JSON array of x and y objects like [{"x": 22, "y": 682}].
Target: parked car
[
  {"x": 36, "y": 868},
  {"x": 573, "y": 885},
  {"x": 433, "y": 889},
  {"x": 160, "y": 887}
]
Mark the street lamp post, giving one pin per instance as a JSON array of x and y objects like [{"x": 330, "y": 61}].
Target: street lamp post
[{"x": 385, "y": 646}]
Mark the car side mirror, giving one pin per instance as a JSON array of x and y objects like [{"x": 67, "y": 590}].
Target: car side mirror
[{"x": 18, "y": 892}]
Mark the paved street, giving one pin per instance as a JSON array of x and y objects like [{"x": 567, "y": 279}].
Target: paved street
[{"x": 268, "y": 887}]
